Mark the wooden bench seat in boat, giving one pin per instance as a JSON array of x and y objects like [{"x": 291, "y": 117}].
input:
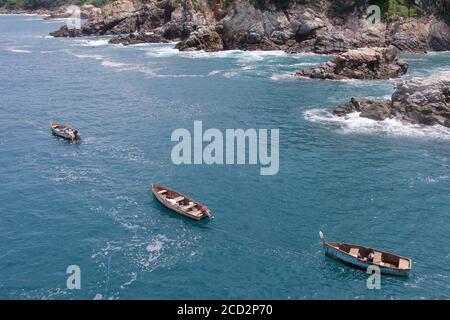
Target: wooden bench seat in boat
[
  {"x": 354, "y": 252},
  {"x": 403, "y": 264},
  {"x": 177, "y": 199},
  {"x": 189, "y": 206},
  {"x": 162, "y": 191},
  {"x": 377, "y": 257}
]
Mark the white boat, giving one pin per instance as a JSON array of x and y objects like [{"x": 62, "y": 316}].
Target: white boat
[
  {"x": 64, "y": 131},
  {"x": 363, "y": 257},
  {"x": 181, "y": 203}
]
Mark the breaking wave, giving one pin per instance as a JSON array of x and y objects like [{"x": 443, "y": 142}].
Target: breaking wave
[
  {"x": 93, "y": 42},
  {"x": 353, "y": 123},
  {"x": 283, "y": 76}
]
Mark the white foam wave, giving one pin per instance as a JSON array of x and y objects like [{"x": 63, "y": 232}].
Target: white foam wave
[
  {"x": 230, "y": 74},
  {"x": 117, "y": 65},
  {"x": 440, "y": 178},
  {"x": 240, "y": 55},
  {"x": 128, "y": 283},
  {"x": 162, "y": 52},
  {"x": 87, "y": 56},
  {"x": 353, "y": 123},
  {"x": 18, "y": 49},
  {"x": 306, "y": 64},
  {"x": 214, "y": 72},
  {"x": 93, "y": 42},
  {"x": 113, "y": 64},
  {"x": 282, "y": 76},
  {"x": 178, "y": 75}
]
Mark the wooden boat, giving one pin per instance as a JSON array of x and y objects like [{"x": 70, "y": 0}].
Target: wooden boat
[
  {"x": 362, "y": 257},
  {"x": 180, "y": 203},
  {"x": 64, "y": 131}
]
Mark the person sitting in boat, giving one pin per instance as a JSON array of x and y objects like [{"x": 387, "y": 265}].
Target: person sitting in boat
[{"x": 370, "y": 256}]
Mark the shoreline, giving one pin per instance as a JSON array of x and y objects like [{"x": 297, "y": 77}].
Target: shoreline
[{"x": 18, "y": 12}]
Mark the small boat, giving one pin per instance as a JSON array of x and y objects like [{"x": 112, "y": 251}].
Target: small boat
[
  {"x": 64, "y": 131},
  {"x": 180, "y": 203},
  {"x": 362, "y": 257}
]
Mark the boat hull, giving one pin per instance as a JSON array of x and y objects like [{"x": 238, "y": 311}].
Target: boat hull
[
  {"x": 54, "y": 127},
  {"x": 175, "y": 208},
  {"x": 59, "y": 135},
  {"x": 359, "y": 264}
]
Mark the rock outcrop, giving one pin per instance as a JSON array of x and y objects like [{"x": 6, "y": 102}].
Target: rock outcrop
[
  {"x": 138, "y": 39},
  {"x": 65, "y": 31},
  {"x": 418, "y": 35},
  {"x": 364, "y": 64},
  {"x": 205, "y": 38},
  {"x": 376, "y": 110},
  {"x": 185, "y": 22},
  {"x": 424, "y": 101},
  {"x": 122, "y": 17}
]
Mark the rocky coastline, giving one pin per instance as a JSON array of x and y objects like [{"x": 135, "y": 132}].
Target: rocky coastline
[
  {"x": 40, "y": 12},
  {"x": 301, "y": 27}
]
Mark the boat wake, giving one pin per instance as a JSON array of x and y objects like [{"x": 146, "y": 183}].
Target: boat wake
[{"x": 353, "y": 123}]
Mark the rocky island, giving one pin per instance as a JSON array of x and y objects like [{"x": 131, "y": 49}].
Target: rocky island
[
  {"x": 424, "y": 101},
  {"x": 363, "y": 63}
]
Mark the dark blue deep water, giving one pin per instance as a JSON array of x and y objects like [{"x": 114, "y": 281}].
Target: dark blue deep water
[{"x": 385, "y": 185}]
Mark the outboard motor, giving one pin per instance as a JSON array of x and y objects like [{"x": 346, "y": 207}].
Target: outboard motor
[
  {"x": 205, "y": 210},
  {"x": 209, "y": 214}
]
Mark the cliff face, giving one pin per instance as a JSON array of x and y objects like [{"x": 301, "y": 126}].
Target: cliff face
[{"x": 314, "y": 26}]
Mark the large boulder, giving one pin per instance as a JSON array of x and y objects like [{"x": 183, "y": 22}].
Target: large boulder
[
  {"x": 408, "y": 35},
  {"x": 205, "y": 38},
  {"x": 364, "y": 63},
  {"x": 424, "y": 101},
  {"x": 65, "y": 31},
  {"x": 376, "y": 110},
  {"x": 439, "y": 36}
]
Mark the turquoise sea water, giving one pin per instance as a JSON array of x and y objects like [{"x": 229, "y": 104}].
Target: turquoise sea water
[{"x": 385, "y": 185}]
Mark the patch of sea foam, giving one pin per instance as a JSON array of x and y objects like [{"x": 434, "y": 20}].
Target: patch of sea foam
[{"x": 353, "y": 123}]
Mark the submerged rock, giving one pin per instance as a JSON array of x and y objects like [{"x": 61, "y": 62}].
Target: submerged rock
[
  {"x": 376, "y": 110},
  {"x": 364, "y": 63},
  {"x": 423, "y": 101}
]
